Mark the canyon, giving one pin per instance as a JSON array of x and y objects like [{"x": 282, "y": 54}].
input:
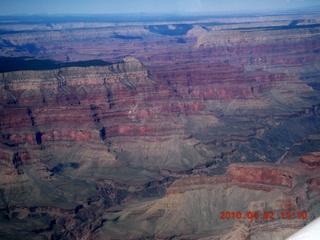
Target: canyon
[{"x": 150, "y": 128}]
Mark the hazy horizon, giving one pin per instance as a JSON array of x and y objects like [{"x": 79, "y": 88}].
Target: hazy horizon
[{"x": 33, "y": 7}]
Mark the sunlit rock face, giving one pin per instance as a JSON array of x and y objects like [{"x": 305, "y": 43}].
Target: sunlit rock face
[{"x": 174, "y": 124}]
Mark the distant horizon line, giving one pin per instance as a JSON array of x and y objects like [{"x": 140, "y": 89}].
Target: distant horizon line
[{"x": 314, "y": 9}]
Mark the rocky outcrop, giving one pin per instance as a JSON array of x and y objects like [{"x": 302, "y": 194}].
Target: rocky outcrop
[
  {"x": 260, "y": 176},
  {"x": 312, "y": 159},
  {"x": 244, "y": 203},
  {"x": 52, "y": 222}
]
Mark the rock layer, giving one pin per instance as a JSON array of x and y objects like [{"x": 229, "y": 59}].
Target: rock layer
[{"x": 312, "y": 159}]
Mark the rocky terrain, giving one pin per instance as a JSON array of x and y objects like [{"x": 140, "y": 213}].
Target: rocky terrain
[{"x": 175, "y": 124}]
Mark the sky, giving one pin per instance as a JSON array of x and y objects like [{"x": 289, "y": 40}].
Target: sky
[{"x": 30, "y": 7}]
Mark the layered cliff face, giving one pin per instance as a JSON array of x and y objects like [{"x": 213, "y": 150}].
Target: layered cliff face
[{"x": 141, "y": 147}]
